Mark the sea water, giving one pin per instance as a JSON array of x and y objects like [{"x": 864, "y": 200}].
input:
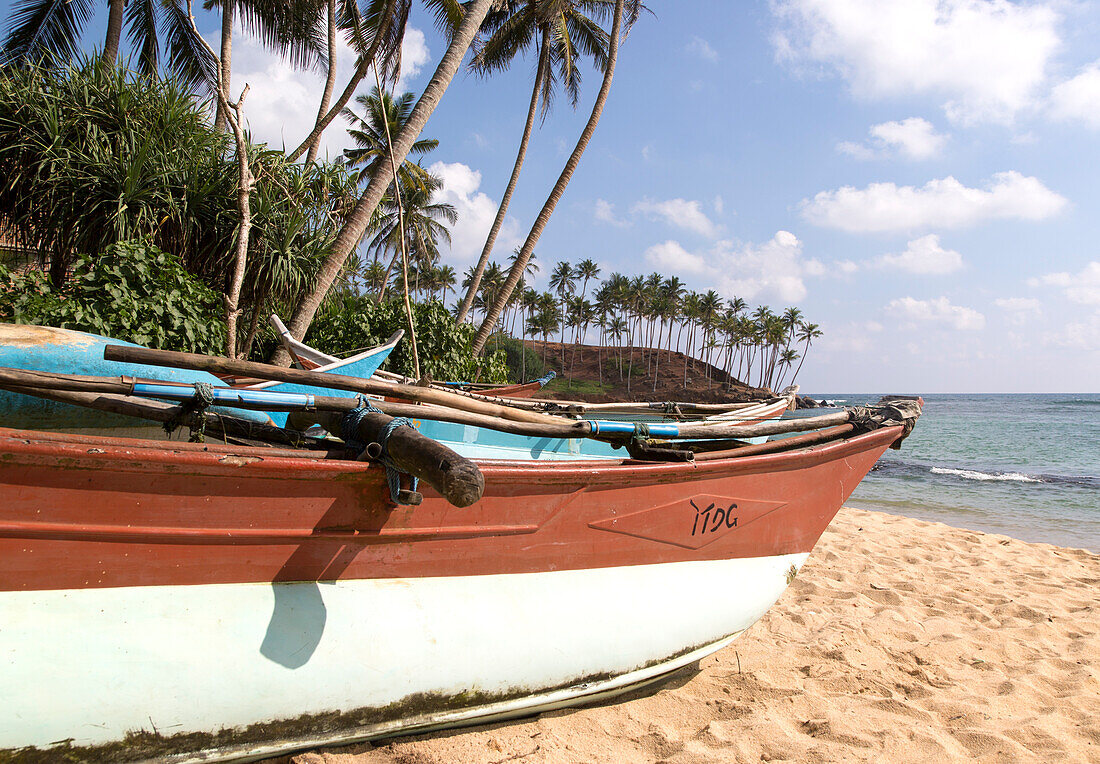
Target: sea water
[{"x": 1027, "y": 466}]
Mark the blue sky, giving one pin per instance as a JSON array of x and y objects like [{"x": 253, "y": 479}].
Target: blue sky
[{"x": 919, "y": 177}]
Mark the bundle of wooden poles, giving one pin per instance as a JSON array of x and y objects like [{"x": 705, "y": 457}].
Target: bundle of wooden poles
[{"x": 455, "y": 477}]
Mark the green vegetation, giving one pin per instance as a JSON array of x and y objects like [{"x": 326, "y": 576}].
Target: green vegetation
[
  {"x": 131, "y": 290},
  {"x": 96, "y": 157},
  {"x": 349, "y": 323}
]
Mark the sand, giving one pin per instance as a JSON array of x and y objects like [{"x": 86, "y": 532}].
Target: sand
[{"x": 901, "y": 640}]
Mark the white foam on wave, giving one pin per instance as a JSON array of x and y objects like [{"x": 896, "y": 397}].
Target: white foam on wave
[{"x": 1016, "y": 477}]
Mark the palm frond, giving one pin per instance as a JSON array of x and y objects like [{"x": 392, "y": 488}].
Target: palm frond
[
  {"x": 45, "y": 29},
  {"x": 188, "y": 59},
  {"x": 141, "y": 23}
]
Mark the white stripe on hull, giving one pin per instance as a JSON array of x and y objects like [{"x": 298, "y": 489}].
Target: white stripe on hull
[{"x": 93, "y": 664}]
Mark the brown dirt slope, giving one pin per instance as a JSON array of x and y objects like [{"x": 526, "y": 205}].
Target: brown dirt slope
[{"x": 579, "y": 378}]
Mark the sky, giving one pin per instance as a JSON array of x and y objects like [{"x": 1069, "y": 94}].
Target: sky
[{"x": 920, "y": 178}]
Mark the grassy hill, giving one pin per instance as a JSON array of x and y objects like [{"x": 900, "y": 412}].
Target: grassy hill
[{"x": 594, "y": 374}]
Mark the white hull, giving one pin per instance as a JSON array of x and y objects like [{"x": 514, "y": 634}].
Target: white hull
[{"x": 92, "y": 665}]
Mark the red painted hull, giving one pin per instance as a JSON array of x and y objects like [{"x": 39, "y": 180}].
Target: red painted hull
[{"x": 85, "y": 512}]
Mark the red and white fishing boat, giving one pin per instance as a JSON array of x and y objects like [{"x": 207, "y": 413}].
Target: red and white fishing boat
[{"x": 190, "y": 602}]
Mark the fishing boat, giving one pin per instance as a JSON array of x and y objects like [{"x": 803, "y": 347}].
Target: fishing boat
[
  {"x": 310, "y": 358},
  {"x": 49, "y": 349},
  {"x": 363, "y": 364},
  {"x": 205, "y": 602}
]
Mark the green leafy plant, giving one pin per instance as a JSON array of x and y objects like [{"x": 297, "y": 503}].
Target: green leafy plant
[
  {"x": 350, "y": 322},
  {"x": 130, "y": 291}
]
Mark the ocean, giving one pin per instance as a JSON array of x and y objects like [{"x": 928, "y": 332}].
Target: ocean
[{"x": 1027, "y": 466}]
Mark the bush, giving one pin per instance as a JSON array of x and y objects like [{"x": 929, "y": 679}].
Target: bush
[
  {"x": 524, "y": 364},
  {"x": 130, "y": 291},
  {"x": 348, "y": 323}
]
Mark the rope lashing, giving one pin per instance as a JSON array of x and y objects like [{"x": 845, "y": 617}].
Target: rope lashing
[
  {"x": 193, "y": 412},
  {"x": 349, "y": 428}
]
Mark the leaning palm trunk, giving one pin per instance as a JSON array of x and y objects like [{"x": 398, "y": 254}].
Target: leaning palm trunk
[
  {"x": 520, "y": 265},
  {"x": 359, "y": 218},
  {"x": 498, "y": 221},
  {"x": 330, "y": 80},
  {"x": 361, "y": 69}
]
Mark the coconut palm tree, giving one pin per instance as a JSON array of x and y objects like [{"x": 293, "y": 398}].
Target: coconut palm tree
[
  {"x": 543, "y": 218},
  {"x": 562, "y": 282},
  {"x": 370, "y": 131},
  {"x": 561, "y": 33},
  {"x": 360, "y": 216},
  {"x": 807, "y": 333},
  {"x": 50, "y": 30}
]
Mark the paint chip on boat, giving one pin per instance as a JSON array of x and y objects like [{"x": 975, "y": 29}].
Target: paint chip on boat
[{"x": 239, "y": 461}]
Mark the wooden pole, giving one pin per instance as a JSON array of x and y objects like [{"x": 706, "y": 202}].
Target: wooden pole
[
  {"x": 158, "y": 411},
  {"x": 218, "y": 365},
  {"x": 456, "y": 478}
]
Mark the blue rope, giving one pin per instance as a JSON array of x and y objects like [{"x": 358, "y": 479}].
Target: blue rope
[{"x": 349, "y": 426}]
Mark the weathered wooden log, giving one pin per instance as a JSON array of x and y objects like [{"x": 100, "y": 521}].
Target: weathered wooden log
[
  {"x": 157, "y": 411},
  {"x": 456, "y": 478},
  {"x": 218, "y": 365}
]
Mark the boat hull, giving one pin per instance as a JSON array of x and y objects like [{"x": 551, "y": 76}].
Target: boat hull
[
  {"x": 65, "y": 351},
  {"x": 212, "y": 602}
]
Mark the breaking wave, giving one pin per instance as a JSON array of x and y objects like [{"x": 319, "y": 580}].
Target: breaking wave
[{"x": 1016, "y": 477}]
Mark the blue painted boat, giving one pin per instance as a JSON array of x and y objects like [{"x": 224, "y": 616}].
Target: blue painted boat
[
  {"x": 65, "y": 351},
  {"x": 361, "y": 365}
]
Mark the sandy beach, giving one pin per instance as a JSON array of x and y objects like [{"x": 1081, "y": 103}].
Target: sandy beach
[{"x": 901, "y": 640}]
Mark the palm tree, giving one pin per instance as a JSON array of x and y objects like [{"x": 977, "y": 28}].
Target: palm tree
[
  {"x": 50, "y": 30},
  {"x": 566, "y": 175},
  {"x": 561, "y": 281},
  {"x": 424, "y": 228},
  {"x": 445, "y": 280},
  {"x": 806, "y": 333},
  {"x": 560, "y": 32},
  {"x": 359, "y": 218},
  {"x": 370, "y": 134}
]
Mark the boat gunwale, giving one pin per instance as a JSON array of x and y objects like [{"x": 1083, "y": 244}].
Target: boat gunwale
[{"x": 145, "y": 455}]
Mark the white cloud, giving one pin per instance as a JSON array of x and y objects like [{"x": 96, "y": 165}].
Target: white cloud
[
  {"x": 282, "y": 102},
  {"x": 647, "y": 151},
  {"x": 476, "y": 212},
  {"x": 943, "y": 203},
  {"x": 913, "y": 138},
  {"x": 719, "y": 205},
  {"x": 1082, "y": 334},
  {"x": 937, "y": 311},
  {"x": 852, "y": 337},
  {"x": 681, "y": 213},
  {"x": 923, "y": 256},
  {"x": 1078, "y": 99},
  {"x": 701, "y": 48},
  {"x": 1083, "y": 287},
  {"x": 988, "y": 58},
  {"x": 1019, "y": 310},
  {"x": 605, "y": 212},
  {"x": 775, "y": 267},
  {"x": 670, "y": 256}
]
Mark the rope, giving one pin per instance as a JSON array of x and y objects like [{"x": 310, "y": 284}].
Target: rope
[
  {"x": 193, "y": 412},
  {"x": 349, "y": 428}
]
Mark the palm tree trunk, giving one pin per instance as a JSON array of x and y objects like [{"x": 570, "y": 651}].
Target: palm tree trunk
[
  {"x": 519, "y": 266},
  {"x": 114, "y": 31},
  {"x": 800, "y": 362},
  {"x": 359, "y": 218},
  {"x": 357, "y": 76},
  {"x": 225, "y": 59},
  {"x": 498, "y": 221},
  {"x": 330, "y": 80}
]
